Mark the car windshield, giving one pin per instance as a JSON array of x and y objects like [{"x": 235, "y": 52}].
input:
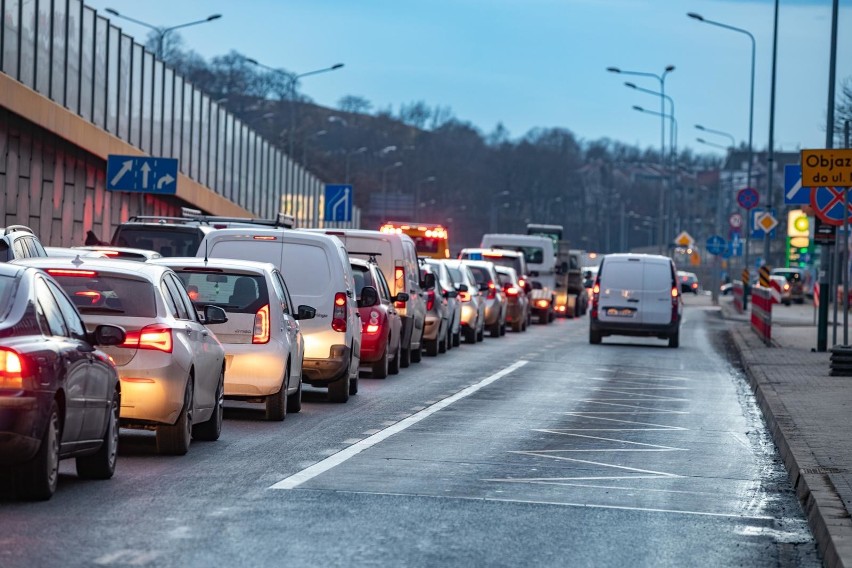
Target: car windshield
[
  {"x": 7, "y": 285},
  {"x": 507, "y": 261},
  {"x": 233, "y": 292},
  {"x": 533, "y": 255},
  {"x": 110, "y": 294},
  {"x": 168, "y": 241},
  {"x": 792, "y": 276}
]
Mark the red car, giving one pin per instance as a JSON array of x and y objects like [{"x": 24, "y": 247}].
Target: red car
[{"x": 381, "y": 324}]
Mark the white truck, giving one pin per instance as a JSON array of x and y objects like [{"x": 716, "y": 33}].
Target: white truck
[{"x": 541, "y": 264}]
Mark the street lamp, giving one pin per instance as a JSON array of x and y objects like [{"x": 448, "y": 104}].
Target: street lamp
[
  {"x": 672, "y": 137},
  {"x": 713, "y": 144},
  {"x": 700, "y": 18},
  {"x": 719, "y": 132},
  {"x": 417, "y": 194},
  {"x": 385, "y": 187},
  {"x": 662, "y": 79},
  {"x": 161, "y": 31},
  {"x": 349, "y": 154},
  {"x": 293, "y": 79}
]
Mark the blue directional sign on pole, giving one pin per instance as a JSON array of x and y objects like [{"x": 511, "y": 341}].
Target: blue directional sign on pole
[
  {"x": 142, "y": 174},
  {"x": 735, "y": 248},
  {"x": 338, "y": 203},
  {"x": 794, "y": 193},
  {"x": 716, "y": 245}
]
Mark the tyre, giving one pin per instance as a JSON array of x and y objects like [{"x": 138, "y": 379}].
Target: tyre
[
  {"x": 480, "y": 335},
  {"x": 210, "y": 430},
  {"x": 38, "y": 478},
  {"x": 431, "y": 347},
  {"x": 353, "y": 386},
  {"x": 457, "y": 337},
  {"x": 338, "y": 391},
  {"x": 101, "y": 464},
  {"x": 417, "y": 354},
  {"x": 470, "y": 335},
  {"x": 381, "y": 367},
  {"x": 405, "y": 357},
  {"x": 517, "y": 326},
  {"x": 174, "y": 438},
  {"x": 442, "y": 344},
  {"x": 594, "y": 337},
  {"x": 674, "y": 339},
  {"x": 276, "y": 404},
  {"x": 294, "y": 401},
  {"x": 503, "y": 328},
  {"x": 494, "y": 329},
  {"x": 551, "y": 316},
  {"x": 542, "y": 317},
  {"x": 393, "y": 366}
]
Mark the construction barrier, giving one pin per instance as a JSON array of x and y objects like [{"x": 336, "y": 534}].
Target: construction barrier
[
  {"x": 738, "y": 291},
  {"x": 761, "y": 313}
]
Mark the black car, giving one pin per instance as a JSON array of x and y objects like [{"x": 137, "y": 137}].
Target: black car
[{"x": 59, "y": 395}]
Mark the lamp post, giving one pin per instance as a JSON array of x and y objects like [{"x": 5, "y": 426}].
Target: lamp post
[
  {"x": 666, "y": 202},
  {"x": 161, "y": 31},
  {"x": 385, "y": 187},
  {"x": 700, "y": 18},
  {"x": 349, "y": 154},
  {"x": 417, "y": 195},
  {"x": 662, "y": 79},
  {"x": 672, "y": 136},
  {"x": 293, "y": 79},
  {"x": 712, "y": 144},
  {"x": 719, "y": 132}
]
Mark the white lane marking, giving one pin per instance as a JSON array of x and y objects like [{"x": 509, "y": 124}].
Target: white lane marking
[
  {"x": 660, "y": 410},
  {"x": 657, "y": 447},
  {"x": 555, "y": 481},
  {"x": 589, "y": 462},
  {"x": 643, "y": 396},
  {"x": 332, "y": 461},
  {"x": 589, "y": 415},
  {"x": 128, "y": 556},
  {"x": 633, "y": 380}
]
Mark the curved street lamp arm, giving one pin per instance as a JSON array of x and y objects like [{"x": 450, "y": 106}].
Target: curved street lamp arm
[
  {"x": 195, "y": 23},
  {"x": 134, "y": 20}
]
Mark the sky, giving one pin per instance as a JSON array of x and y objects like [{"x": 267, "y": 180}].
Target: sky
[{"x": 542, "y": 63}]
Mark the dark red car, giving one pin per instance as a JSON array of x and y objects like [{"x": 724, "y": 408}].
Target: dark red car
[
  {"x": 59, "y": 395},
  {"x": 381, "y": 324}
]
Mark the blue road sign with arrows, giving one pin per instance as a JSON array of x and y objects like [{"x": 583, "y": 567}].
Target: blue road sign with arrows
[
  {"x": 716, "y": 245},
  {"x": 338, "y": 203},
  {"x": 794, "y": 193},
  {"x": 142, "y": 174}
]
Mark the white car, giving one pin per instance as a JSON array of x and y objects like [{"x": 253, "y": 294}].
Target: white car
[
  {"x": 263, "y": 344},
  {"x": 171, "y": 367}
]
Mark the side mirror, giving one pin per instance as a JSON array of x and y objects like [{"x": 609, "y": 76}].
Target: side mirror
[
  {"x": 483, "y": 287},
  {"x": 462, "y": 287},
  {"x": 214, "y": 315},
  {"x": 304, "y": 312},
  {"x": 401, "y": 297},
  {"x": 369, "y": 297},
  {"x": 108, "y": 335},
  {"x": 428, "y": 281},
  {"x": 451, "y": 294}
]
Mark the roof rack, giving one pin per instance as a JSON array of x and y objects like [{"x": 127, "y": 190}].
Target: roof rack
[
  {"x": 282, "y": 220},
  {"x": 13, "y": 228},
  {"x": 372, "y": 255}
]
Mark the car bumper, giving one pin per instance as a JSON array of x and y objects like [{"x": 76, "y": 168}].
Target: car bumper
[
  {"x": 468, "y": 315},
  {"x": 634, "y": 329},
  {"x": 254, "y": 370},
  {"x": 515, "y": 313},
  {"x": 329, "y": 369},
  {"x": 21, "y": 427},
  {"x": 152, "y": 393},
  {"x": 373, "y": 346},
  {"x": 493, "y": 313}
]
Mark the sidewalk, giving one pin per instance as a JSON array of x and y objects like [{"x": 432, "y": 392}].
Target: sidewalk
[{"x": 809, "y": 415}]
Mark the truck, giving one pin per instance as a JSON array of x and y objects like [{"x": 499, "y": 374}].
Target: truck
[{"x": 571, "y": 298}]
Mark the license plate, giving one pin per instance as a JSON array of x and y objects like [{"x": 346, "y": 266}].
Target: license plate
[{"x": 620, "y": 312}]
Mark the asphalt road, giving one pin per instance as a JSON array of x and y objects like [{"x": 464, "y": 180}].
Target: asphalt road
[{"x": 531, "y": 449}]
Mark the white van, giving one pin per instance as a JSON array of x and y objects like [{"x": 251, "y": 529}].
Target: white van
[
  {"x": 317, "y": 272},
  {"x": 636, "y": 294},
  {"x": 397, "y": 257}
]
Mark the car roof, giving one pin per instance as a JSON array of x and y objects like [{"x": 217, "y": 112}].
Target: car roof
[
  {"x": 115, "y": 266},
  {"x": 486, "y": 250},
  {"x": 640, "y": 256},
  {"x": 358, "y": 262},
  {"x": 144, "y": 252},
  {"x": 223, "y": 263},
  {"x": 9, "y": 269},
  {"x": 312, "y": 236}
]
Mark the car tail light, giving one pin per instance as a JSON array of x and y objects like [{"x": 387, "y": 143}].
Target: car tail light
[
  {"x": 695, "y": 285},
  {"x": 399, "y": 283},
  {"x": 12, "y": 370},
  {"x": 541, "y": 303},
  {"x": 260, "y": 334},
  {"x": 675, "y": 300},
  {"x": 511, "y": 291},
  {"x": 522, "y": 282},
  {"x": 492, "y": 291},
  {"x": 372, "y": 326},
  {"x": 95, "y": 296},
  {"x": 786, "y": 287},
  {"x": 72, "y": 272},
  {"x": 156, "y": 337},
  {"x": 430, "y": 300},
  {"x": 596, "y": 296},
  {"x": 464, "y": 296},
  {"x": 264, "y": 237},
  {"x": 338, "y": 316}
]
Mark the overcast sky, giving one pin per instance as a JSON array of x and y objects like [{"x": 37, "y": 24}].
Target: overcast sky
[{"x": 540, "y": 63}]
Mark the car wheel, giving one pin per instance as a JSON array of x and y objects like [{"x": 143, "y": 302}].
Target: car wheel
[
  {"x": 393, "y": 366},
  {"x": 503, "y": 328},
  {"x": 457, "y": 338},
  {"x": 381, "y": 367},
  {"x": 417, "y": 354},
  {"x": 101, "y": 464},
  {"x": 405, "y": 357},
  {"x": 39, "y": 477},
  {"x": 276, "y": 404},
  {"x": 494, "y": 329},
  {"x": 595, "y": 337},
  {"x": 210, "y": 430},
  {"x": 674, "y": 339},
  {"x": 480, "y": 335},
  {"x": 174, "y": 438},
  {"x": 431, "y": 347},
  {"x": 353, "y": 386},
  {"x": 338, "y": 391},
  {"x": 517, "y": 326},
  {"x": 294, "y": 401},
  {"x": 442, "y": 344}
]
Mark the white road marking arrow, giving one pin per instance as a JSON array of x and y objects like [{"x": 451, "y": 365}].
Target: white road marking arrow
[
  {"x": 125, "y": 167},
  {"x": 795, "y": 189},
  {"x": 165, "y": 180},
  {"x": 145, "y": 170}
]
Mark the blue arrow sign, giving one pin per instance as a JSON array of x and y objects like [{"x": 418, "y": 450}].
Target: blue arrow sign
[
  {"x": 338, "y": 203},
  {"x": 735, "y": 248},
  {"x": 794, "y": 193},
  {"x": 142, "y": 174},
  {"x": 716, "y": 245}
]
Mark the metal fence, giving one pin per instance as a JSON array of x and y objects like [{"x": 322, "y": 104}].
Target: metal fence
[{"x": 74, "y": 56}]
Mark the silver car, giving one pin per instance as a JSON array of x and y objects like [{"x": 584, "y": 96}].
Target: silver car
[
  {"x": 453, "y": 303},
  {"x": 495, "y": 299},
  {"x": 171, "y": 367},
  {"x": 263, "y": 343},
  {"x": 471, "y": 299}
]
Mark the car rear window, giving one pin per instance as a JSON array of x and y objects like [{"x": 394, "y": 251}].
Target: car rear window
[
  {"x": 507, "y": 261},
  {"x": 622, "y": 275},
  {"x": 110, "y": 294},
  {"x": 480, "y": 274},
  {"x": 792, "y": 276},
  {"x": 658, "y": 276},
  {"x": 362, "y": 277},
  {"x": 533, "y": 255},
  {"x": 233, "y": 292},
  {"x": 168, "y": 241}
]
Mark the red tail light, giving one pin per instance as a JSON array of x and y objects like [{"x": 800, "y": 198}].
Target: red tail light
[
  {"x": 95, "y": 296},
  {"x": 430, "y": 300},
  {"x": 596, "y": 296},
  {"x": 492, "y": 291},
  {"x": 511, "y": 291},
  {"x": 522, "y": 282},
  {"x": 399, "y": 283},
  {"x": 12, "y": 370},
  {"x": 675, "y": 300},
  {"x": 371, "y": 328},
  {"x": 260, "y": 334},
  {"x": 72, "y": 272},
  {"x": 338, "y": 316},
  {"x": 155, "y": 337},
  {"x": 464, "y": 296}
]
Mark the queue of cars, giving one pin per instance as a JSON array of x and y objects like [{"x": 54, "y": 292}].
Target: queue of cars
[{"x": 100, "y": 337}]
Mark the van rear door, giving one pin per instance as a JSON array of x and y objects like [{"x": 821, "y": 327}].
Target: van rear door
[
  {"x": 655, "y": 299},
  {"x": 621, "y": 295}
]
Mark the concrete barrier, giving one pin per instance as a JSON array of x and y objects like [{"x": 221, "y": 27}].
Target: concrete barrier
[{"x": 761, "y": 313}]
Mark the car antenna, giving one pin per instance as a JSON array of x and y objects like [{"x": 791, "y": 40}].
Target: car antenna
[{"x": 206, "y": 246}]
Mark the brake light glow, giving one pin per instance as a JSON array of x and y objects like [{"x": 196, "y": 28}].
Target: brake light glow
[
  {"x": 338, "y": 316},
  {"x": 399, "y": 283},
  {"x": 464, "y": 296},
  {"x": 511, "y": 291},
  {"x": 492, "y": 291},
  {"x": 695, "y": 285},
  {"x": 11, "y": 370},
  {"x": 155, "y": 337},
  {"x": 264, "y": 237},
  {"x": 371, "y": 328},
  {"x": 596, "y": 295},
  {"x": 260, "y": 334},
  {"x": 430, "y": 300},
  {"x": 521, "y": 282},
  {"x": 675, "y": 302},
  {"x": 72, "y": 272},
  {"x": 541, "y": 303},
  {"x": 110, "y": 252},
  {"x": 786, "y": 287},
  {"x": 95, "y": 296}
]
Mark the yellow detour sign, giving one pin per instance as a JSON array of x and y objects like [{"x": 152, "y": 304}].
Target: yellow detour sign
[
  {"x": 827, "y": 168},
  {"x": 684, "y": 239},
  {"x": 763, "y": 271},
  {"x": 745, "y": 276}
]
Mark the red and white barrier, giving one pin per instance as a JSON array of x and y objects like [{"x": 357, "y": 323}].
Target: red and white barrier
[
  {"x": 761, "y": 313},
  {"x": 775, "y": 289}
]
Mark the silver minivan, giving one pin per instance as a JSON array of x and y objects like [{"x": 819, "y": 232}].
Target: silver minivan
[{"x": 638, "y": 295}]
